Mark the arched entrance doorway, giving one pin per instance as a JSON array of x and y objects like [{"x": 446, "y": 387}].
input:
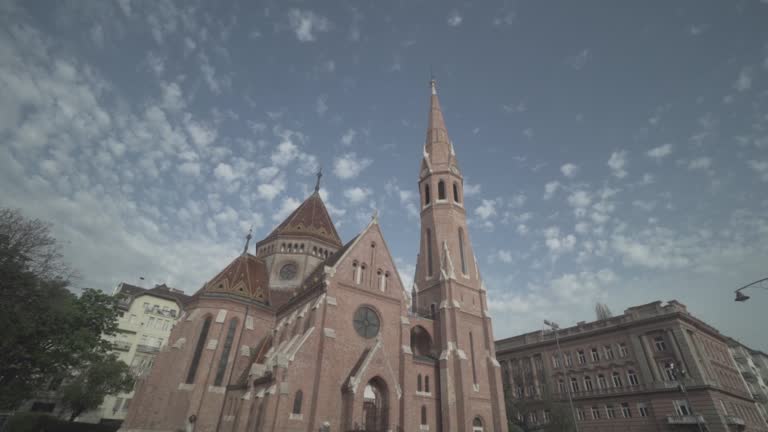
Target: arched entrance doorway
[
  {"x": 477, "y": 424},
  {"x": 376, "y": 406}
]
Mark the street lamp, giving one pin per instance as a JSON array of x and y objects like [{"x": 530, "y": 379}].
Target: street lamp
[
  {"x": 741, "y": 297},
  {"x": 555, "y": 327},
  {"x": 683, "y": 374}
]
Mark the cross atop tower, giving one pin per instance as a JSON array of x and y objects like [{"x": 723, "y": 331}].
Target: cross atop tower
[
  {"x": 319, "y": 176},
  {"x": 247, "y": 240}
]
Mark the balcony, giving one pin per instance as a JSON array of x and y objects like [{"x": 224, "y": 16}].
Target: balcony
[
  {"x": 155, "y": 310},
  {"x": 686, "y": 420},
  {"x": 734, "y": 420},
  {"x": 121, "y": 346},
  {"x": 149, "y": 349}
]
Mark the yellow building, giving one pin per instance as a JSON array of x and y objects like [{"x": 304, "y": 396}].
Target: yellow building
[{"x": 145, "y": 321}]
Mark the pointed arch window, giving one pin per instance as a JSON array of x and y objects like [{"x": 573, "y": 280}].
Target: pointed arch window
[
  {"x": 418, "y": 383},
  {"x": 198, "y": 350},
  {"x": 427, "y": 197},
  {"x": 426, "y": 383},
  {"x": 456, "y": 192},
  {"x": 472, "y": 353},
  {"x": 441, "y": 190},
  {"x": 429, "y": 252},
  {"x": 297, "y": 402},
  {"x": 423, "y": 414},
  {"x": 225, "y": 352},
  {"x": 461, "y": 251}
]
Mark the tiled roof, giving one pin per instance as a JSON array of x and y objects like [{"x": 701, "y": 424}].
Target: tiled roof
[
  {"x": 161, "y": 291},
  {"x": 245, "y": 276},
  {"x": 310, "y": 218}
]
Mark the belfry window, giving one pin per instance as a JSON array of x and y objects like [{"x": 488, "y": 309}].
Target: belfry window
[
  {"x": 418, "y": 383},
  {"x": 456, "y": 192},
  {"x": 198, "y": 350},
  {"x": 472, "y": 353},
  {"x": 461, "y": 251},
  {"x": 441, "y": 190},
  {"x": 225, "y": 352},
  {"x": 427, "y": 198},
  {"x": 426, "y": 383},
  {"x": 429, "y": 252},
  {"x": 297, "y": 402}
]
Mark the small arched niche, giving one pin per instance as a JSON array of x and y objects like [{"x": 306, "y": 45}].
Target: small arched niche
[{"x": 421, "y": 342}]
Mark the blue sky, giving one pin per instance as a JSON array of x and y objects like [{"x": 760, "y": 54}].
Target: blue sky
[{"x": 613, "y": 152}]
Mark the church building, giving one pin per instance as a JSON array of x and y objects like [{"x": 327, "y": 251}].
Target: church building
[{"x": 308, "y": 333}]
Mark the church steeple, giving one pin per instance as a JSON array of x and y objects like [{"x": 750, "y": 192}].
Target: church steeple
[{"x": 438, "y": 148}]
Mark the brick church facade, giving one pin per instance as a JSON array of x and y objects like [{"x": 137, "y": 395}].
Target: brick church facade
[{"x": 311, "y": 334}]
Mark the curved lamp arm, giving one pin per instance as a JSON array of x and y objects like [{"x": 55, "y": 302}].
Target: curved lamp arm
[{"x": 741, "y": 297}]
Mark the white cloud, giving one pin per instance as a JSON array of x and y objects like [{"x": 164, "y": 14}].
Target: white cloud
[
  {"x": 583, "y": 287},
  {"x": 617, "y": 162},
  {"x": 761, "y": 168},
  {"x": 224, "y": 171},
  {"x": 578, "y": 60},
  {"x": 744, "y": 80},
  {"x": 556, "y": 243},
  {"x": 269, "y": 190},
  {"x": 550, "y": 188},
  {"x": 350, "y": 166},
  {"x": 655, "y": 248},
  {"x": 321, "y": 105},
  {"x": 504, "y": 256},
  {"x": 288, "y": 205},
  {"x": 660, "y": 152},
  {"x": 522, "y": 229},
  {"x": 97, "y": 35},
  {"x": 348, "y": 137},
  {"x": 190, "y": 168},
  {"x": 471, "y": 189},
  {"x": 700, "y": 163},
  {"x": 267, "y": 173},
  {"x": 173, "y": 99},
  {"x": 356, "y": 195},
  {"x": 288, "y": 151},
  {"x": 455, "y": 19},
  {"x": 569, "y": 170},
  {"x": 487, "y": 209},
  {"x": 579, "y": 199},
  {"x": 202, "y": 135},
  {"x": 306, "y": 24}
]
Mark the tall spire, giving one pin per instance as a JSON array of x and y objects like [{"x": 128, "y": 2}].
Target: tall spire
[
  {"x": 247, "y": 240},
  {"x": 438, "y": 148},
  {"x": 319, "y": 176}
]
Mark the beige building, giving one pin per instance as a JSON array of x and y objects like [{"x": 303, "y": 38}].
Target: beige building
[
  {"x": 145, "y": 322},
  {"x": 624, "y": 374},
  {"x": 753, "y": 365}
]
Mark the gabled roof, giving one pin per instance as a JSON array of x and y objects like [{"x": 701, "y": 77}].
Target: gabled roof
[
  {"x": 161, "y": 291},
  {"x": 245, "y": 276},
  {"x": 310, "y": 218}
]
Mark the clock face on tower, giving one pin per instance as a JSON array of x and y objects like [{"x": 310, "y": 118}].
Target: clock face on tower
[
  {"x": 366, "y": 322},
  {"x": 288, "y": 271}
]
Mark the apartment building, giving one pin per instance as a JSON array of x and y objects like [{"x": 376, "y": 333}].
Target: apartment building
[
  {"x": 654, "y": 368},
  {"x": 753, "y": 365},
  {"x": 145, "y": 322}
]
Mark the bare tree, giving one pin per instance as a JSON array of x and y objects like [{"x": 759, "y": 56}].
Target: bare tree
[{"x": 602, "y": 312}]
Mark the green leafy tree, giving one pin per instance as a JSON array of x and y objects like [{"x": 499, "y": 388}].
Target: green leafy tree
[
  {"x": 46, "y": 331},
  {"x": 560, "y": 416},
  {"x": 99, "y": 378}
]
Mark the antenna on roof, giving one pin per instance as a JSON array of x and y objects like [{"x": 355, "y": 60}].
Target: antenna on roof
[
  {"x": 247, "y": 240},
  {"x": 319, "y": 176}
]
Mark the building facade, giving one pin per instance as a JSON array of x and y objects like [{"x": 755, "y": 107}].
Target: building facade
[
  {"x": 626, "y": 372},
  {"x": 309, "y": 333},
  {"x": 753, "y": 365},
  {"x": 144, "y": 324}
]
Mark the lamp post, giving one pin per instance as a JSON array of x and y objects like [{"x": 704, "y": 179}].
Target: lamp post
[
  {"x": 683, "y": 389},
  {"x": 741, "y": 297},
  {"x": 554, "y": 326}
]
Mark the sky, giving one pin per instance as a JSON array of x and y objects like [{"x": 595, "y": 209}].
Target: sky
[{"x": 612, "y": 151}]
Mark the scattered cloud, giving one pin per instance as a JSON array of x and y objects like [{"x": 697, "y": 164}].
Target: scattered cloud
[
  {"x": 617, "y": 162},
  {"x": 487, "y": 209},
  {"x": 579, "y": 60},
  {"x": 356, "y": 195},
  {"x": 350, "y": 165},
  {"x": 550, "y": 188},
  {"x": 349, "y": 137},
  {"x": 569, "y": 170},
  {"x": 321, "y": 105},
  {"x": 744, "y": 80},
  {"x": 455, "y": 19},
  {"x": 761, "y": 168},
  {"x": 471, "y": 189},
  {"x": 307, "y": 24},
  {"x": 660, "y": 152},
  {"x": 700, "y": 163},
  {"x": 557, "y": 243}
]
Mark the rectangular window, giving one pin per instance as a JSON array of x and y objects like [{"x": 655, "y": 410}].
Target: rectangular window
[
  {"x": 574, "y": 385},
  {"x": 632, "y": 378},
  {"x": 561, "y": 386},
  {"x": 626, "y": 412},
  {"x": 669, "y": 371},
  {"x": 681, "y": 407},
  {"x": 642, "y": 409},
  {"x": 616, "y": 379},
  {"x": 588, "y": 383},
  {"x": 608, "y": 350},
  {"x": 601, "y": 382},
  {"x": 725, "y": 409},
  {"x": 547, "y": 416},
  {"x": 151, "y": 323},
  {"x": 595, "y": 355},
  {"x": 582, "y": 357},
  {"x": 533, "y": 417},
  {"x": 596, "y": 413},
  {"x": 569, "y": 359},
  {"x": 659, "y": 343},
  {"x": 611, "y": 411},
  {"x": 580, "y": 414},
  {"x": 623, "y": 350},
  {"x": 555, "y": 361}
]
